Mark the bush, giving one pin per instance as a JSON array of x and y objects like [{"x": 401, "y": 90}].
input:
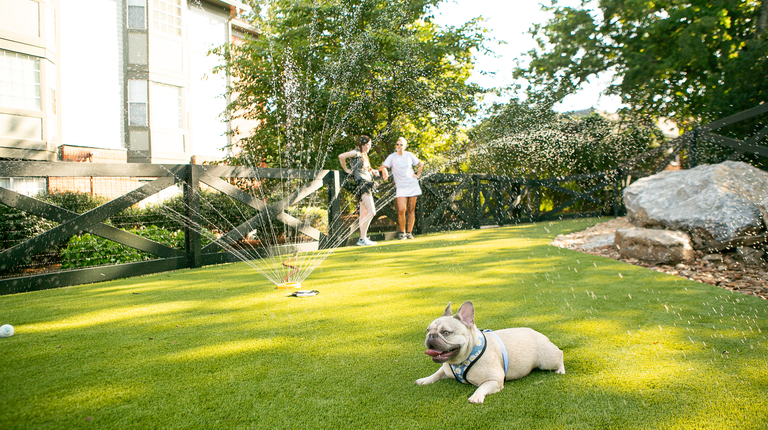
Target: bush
[
  {"x": 315, "y": 216},
  {"x": 217, "y": 211},
  {"x": 89, "y": 250},
  {"x": 73, "y": 201},
  {"x": 18, "y": 226},
  {"x": 535, "y": 142}
]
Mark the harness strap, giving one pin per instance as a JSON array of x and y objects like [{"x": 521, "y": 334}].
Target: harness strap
[
  {"x": 503, "y": 350},
  {"x": 460, "y": 370}
]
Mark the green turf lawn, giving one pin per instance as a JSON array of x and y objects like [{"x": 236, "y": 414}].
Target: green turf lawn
[{"x": 220, "y": 347}]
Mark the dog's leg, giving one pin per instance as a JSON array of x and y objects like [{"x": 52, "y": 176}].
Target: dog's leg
[
  {"x": 486, "y": 388},
  {"x": 440, "y": 374},
  {"x": 561, "y": 367}
]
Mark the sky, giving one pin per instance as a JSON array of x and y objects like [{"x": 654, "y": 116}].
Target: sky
[{"x": 509, "y": 20}]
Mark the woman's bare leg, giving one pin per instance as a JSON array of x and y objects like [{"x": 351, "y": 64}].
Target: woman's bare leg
[
  {"x": 411, "y": 213},
  {"x": 401, "y": 208},
  {"x": 367, "y": 211}
]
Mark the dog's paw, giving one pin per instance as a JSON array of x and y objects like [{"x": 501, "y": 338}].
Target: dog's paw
[
  {"x": 561, "y": 370},
  {"x": 423, "y": 381},
  {"x": 477, "y": 398}
]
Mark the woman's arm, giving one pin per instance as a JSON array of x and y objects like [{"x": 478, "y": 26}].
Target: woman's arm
[
  {"x": 384, "y": 172},
  {"x": 343, "y": 160}
]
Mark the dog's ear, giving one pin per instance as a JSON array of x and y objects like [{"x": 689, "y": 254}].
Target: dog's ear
[
  {"x": 466, "y": 313},
  {"x": 447, "y": 312}
]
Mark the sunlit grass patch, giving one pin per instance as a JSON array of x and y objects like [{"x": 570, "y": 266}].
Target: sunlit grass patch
[{"x": 221, "y": 347}]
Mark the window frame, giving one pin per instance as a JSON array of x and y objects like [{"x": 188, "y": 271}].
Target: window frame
[{"x": 14, "y": 74}]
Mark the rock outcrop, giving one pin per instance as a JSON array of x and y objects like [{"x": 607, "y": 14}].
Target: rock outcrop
[{"x": 712, "y": 202}]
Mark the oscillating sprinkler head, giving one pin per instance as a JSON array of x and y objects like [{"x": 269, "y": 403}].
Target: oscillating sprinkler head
[{"x": 286, "y": 285}]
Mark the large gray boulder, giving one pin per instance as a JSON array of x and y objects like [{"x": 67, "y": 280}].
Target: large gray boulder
[{"x": 711, "y": 202}]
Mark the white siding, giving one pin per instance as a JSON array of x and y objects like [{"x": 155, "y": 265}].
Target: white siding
[
  {"x": 206, "y": 28},
  {"x": 91, "y": 67}
]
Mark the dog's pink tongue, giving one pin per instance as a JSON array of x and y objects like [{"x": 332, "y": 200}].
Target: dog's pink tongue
[{"x": 432, "y": 352}]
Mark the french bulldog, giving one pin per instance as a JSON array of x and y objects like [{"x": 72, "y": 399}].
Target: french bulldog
[{"x": 452, "y": 339}]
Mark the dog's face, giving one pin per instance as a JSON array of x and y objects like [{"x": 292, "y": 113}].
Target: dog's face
[{"x": 450, "y": 338}]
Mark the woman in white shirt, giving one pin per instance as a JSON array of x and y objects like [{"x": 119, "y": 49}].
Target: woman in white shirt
[{"x": 402, "y": 163}]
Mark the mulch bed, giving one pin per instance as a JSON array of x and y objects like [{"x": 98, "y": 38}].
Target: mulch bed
[
  {"x": 724, "y": 270},
  {"x": 713, "y": 269}
]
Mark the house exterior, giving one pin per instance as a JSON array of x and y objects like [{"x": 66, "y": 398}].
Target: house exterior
[{"x": 132, "y": 76}]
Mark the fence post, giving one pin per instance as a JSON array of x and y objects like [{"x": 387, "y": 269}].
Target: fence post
[
  {"x": 475, "y": 190},
  {"x": 332, "y": 184},
  {"x": 192, "y": 241},
  {"x": 693, "y": 149},
  {"x": 498, "y": 212},
  {"x": 420, "y": 203},
  {"x": 616, "y": 179}
]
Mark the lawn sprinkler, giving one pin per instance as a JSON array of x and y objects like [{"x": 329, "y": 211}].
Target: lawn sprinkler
[
  {"x": 289, "y": 285},
  {"x": 303, "y": 293},
  {"x": 6, "y": 330}
]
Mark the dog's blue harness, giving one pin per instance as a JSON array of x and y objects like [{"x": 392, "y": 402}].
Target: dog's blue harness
[{"x": 460, "y": 370}]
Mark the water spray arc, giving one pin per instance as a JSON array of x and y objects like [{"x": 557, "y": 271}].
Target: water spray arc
[
  {"x": 264, "y": 237},
  {"x": 295, "y": 140}
]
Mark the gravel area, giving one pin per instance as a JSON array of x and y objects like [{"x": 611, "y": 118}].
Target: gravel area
[{"x": 724, "y": 270}]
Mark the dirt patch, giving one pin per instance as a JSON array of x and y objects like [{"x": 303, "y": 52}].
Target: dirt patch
[{"x": 725, "y": 270}]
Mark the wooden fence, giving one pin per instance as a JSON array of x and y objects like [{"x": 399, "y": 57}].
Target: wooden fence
[{"x": 193, "y": 255}]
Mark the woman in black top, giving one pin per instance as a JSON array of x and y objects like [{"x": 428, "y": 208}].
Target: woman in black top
[{"x": 363, "y": 174}]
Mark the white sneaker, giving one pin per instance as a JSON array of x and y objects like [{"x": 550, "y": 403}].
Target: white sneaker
[{"x": 364, "y": 241}]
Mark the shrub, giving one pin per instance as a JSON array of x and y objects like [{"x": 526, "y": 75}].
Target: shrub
[
  {"x": 317, "y": 217},
  {"x": 217, "y": 211},
  {"x": 73, "y": 201},
  {"x": 89, "y": 250},
  {"x": 18, "y": 226}
]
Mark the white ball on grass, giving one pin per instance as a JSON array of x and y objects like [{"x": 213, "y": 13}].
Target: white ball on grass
[{"x": 6, "y": 330}]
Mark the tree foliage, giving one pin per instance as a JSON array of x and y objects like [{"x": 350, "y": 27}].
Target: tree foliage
[
  {"x": 692, "y": 60},
  {"x": 532, "y": 141},
  {"x": 324, "y": 71}
]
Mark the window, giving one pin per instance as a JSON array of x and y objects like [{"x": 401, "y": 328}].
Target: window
[
  {"x": 19, "y": 81},
  {"x": 137, "y": 103},
  {"x": 26, "y": 186},
  {"x": 167, "y": 118},
  {"x": 166, "y": 16},
  {"x": 137, "y": 14},
  {"x": 166, "y": 106}
]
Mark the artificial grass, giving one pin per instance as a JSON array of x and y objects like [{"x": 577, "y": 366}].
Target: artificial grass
[{"x": 220, "y": 347}]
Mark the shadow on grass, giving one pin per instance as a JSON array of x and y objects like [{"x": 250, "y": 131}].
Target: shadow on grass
[{"x": 221, "y": 347}]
